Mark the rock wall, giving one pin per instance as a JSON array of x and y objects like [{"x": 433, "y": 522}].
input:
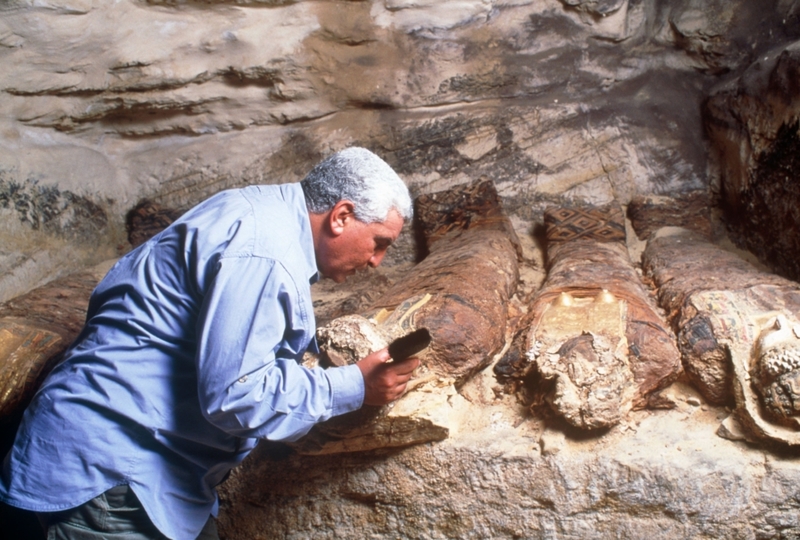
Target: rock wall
[
  {"x": 663, "y": 475},
  {"x": 104, "y": 104},
  {"x": 753, "y": 122}
]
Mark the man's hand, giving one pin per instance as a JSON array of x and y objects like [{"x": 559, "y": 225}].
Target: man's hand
[{"x": 384, "y": 382}]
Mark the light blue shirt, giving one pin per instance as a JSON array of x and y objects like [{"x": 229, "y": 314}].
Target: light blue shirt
[{"x": 189, "y": 356}]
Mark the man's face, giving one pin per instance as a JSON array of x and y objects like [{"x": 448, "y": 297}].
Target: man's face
[{"x": 355, "y": 245}]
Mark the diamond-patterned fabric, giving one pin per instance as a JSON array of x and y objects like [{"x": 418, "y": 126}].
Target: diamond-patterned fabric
[{"x": 598, "y": 223}]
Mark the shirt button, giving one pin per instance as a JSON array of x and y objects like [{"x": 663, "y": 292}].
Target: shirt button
[{"x": 243, "y": 379}]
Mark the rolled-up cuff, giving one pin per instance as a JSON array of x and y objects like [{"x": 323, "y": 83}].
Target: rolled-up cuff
[{"x": 347, "y": 384}]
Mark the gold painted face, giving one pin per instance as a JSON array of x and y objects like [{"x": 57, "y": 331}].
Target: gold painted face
[{"x": 567, "y": 316}]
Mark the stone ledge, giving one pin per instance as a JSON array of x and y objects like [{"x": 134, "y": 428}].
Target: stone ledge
[{"x": 663, "y": 474}]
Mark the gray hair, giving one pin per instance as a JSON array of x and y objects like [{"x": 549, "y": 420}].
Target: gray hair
[{"x": 357, "y": 175}]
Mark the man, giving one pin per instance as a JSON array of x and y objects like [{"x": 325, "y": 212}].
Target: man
[{"x": 190, "y": 355}]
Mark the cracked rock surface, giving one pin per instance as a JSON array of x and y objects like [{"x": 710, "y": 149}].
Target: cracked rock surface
[{"x": 104, "y": 104}]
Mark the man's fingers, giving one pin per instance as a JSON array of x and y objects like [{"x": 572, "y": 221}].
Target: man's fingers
[
  {"x": 385, "y": 381},
  {"x": 380, "y": 357},
  {"x": 405, "y": 367},
  {"x": 399, "y": 391}
]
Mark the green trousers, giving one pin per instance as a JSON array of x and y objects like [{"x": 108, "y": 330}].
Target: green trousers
[{"x": 115, "y": 514}]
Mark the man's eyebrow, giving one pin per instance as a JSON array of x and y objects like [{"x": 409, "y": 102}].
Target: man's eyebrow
[{"x": 383, "y": 241}]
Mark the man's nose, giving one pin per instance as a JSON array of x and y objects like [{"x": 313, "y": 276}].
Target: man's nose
[{"x": 376, "y": 259}]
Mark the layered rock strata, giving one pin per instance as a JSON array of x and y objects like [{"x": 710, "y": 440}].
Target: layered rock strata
[{"x": 106, "y": 103}]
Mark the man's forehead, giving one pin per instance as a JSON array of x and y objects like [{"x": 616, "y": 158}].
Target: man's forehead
[{"x": 391, "y": 227}]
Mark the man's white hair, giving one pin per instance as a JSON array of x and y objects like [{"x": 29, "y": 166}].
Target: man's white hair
[{"x": 357, "y": 175}]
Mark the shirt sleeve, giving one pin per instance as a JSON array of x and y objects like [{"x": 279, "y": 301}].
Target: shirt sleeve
[{"x": 250, "y": 328}]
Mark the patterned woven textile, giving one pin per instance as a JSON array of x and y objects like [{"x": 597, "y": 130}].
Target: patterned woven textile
[
  {"x": 598, "y": 223},
  {"x": 462, "y": 208}
]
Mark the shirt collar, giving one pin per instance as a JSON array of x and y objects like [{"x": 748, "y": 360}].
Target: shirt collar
[{"x": 293, "y": 193}]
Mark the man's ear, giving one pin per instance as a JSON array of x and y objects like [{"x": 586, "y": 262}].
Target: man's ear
[{"x": 341, "y": 214}]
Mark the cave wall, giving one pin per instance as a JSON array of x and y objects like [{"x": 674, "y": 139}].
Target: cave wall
[
  {"x": 753, "y": 123},
  {"x": 104, "y": 104}
]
